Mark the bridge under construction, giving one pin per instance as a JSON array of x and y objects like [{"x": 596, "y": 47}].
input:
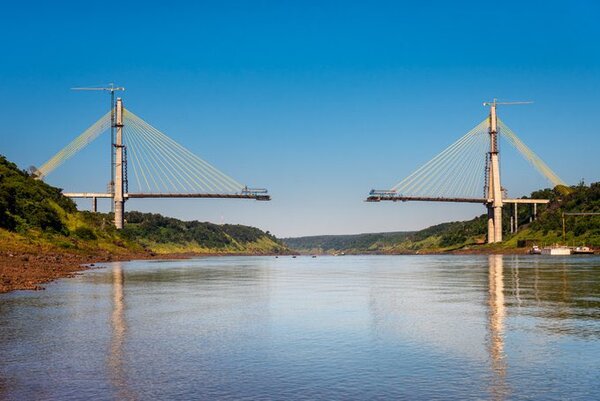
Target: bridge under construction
[
  {"x": 156, "y": 165},
  {"x": 468, "y": 166}
]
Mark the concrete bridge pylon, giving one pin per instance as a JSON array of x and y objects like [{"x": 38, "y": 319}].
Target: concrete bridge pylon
[{"x": 494, "y": 187}]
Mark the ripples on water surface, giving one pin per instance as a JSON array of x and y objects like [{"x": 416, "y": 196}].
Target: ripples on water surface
[{"x": 372, "y": 327}]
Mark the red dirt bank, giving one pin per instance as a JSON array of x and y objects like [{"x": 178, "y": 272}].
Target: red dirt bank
[{"x": 27, "y": 270}]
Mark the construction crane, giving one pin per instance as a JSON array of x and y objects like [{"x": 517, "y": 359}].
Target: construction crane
[
  {"x": 496, "y": 102},
  {"x": 112, "y": 89}
]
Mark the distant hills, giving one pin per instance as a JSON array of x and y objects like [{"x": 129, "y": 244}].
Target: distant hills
[
  {"x": 445, "y": 236},
  {"x": 358, "y": 242}
]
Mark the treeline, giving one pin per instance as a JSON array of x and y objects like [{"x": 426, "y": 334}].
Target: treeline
[
  {"x": 454, "y": 233},
  {"x": 361, "y": 242},
  {"x": 579, "y": 229},
  {"x": 159, "y": 229},
  {"x": 445, "y": 234}
]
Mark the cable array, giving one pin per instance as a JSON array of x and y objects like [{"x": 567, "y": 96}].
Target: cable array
[
  {"x": 161, "y": 165},
  {"x": 458, "y": 171},
  {"x": 529, "y": 155},
  {"x": 86, "y": 137}
]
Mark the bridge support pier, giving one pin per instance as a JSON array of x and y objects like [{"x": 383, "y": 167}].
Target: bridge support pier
[
  {"x": 94, "y": 204},
  {"x": 497, "y": 224},
  {"x": 494, "y": 224},
  {"x": 118, "y": 198},
  {"x": 491, "y": 231},
  {"x": 516, "y": 219},
  {"x": 494, "y": 189}
]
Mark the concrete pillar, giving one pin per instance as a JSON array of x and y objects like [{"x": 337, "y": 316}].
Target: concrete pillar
[
  {"x": 118, "y": 198},
  {"x": 94, "y": 204},
  {"x": 497, "y": 224},
  {"x": 491, "y": 231},
  {"x": 535, "y": 211},
  {"x": 531, "y": 215},
  {"x": 516, "y": 214},
  {"x": 494, "y": 176}
]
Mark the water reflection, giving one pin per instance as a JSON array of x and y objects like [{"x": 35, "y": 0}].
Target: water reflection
[
  {"x": 116, "y": 362},
  {"x": 431, "y": 327},
  {"x": 496, "y": 315}
]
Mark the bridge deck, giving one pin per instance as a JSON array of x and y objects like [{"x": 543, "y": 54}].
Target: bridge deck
[
  {"x": 395, "y": 198},
  {"x": 259, "y": 197}
]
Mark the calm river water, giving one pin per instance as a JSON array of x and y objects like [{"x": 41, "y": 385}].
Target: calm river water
[{"x": 332, "y": 328}]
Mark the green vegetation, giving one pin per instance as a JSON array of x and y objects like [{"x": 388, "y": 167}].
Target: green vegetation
[
  {"x": 26, "y": 203},
  {"x": 547, "y": 229},
  {"x": 156, "y": 231},
  {"x": 358, "y": 242},
  {"x": 35, "y": 213}
]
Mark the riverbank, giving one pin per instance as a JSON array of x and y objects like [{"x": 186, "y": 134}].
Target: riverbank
[
  {"x": 31, "y": 270},
  {"x": 483, "y": 250}
]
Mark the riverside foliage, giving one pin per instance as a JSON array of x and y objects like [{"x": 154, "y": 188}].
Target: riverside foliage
[{"x": 27, "y": 203}]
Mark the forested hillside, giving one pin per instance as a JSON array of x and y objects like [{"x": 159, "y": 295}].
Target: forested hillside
[{"x": 26, "y": 203}]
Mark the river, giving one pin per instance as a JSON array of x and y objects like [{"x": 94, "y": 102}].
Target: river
[{"x": 331, "y": 328}]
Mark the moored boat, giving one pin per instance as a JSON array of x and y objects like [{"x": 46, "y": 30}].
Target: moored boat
[
  {"x": 535, "y": 250},
  {"x": 583, "y": 250},
  {"x": 556, "y": 250}
]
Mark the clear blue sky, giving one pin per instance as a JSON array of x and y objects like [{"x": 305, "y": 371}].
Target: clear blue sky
[{"x": 317, "y": 101}]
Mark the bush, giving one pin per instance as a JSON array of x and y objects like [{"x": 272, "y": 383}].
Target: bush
[
  {"x": 85, "y": 233},
  {"x": 29, "y": 203}
]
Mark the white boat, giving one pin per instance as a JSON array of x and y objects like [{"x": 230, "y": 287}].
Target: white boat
[
  {"x": 556, "y": 250},
  {"x": 583, "y": 250},
  {"x": 535, "y": 250}
]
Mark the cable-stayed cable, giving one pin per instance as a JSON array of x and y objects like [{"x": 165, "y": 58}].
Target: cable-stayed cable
[
  {"x": 529, "y": 155},
  {"x": 170, "y": 166},
  {"x": 84, "y": 139},
  {"x": 457, "y": 171}
]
